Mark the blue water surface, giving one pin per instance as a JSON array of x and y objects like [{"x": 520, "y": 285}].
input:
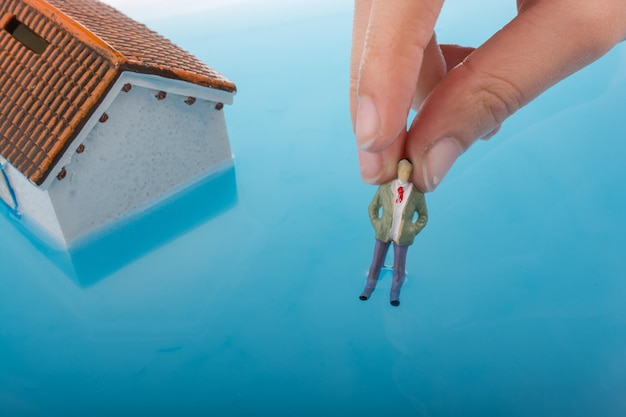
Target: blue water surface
[{"x": 514, "y": 301}]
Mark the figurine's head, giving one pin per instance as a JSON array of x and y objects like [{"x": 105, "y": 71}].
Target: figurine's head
[{"x": 405, "y": 168}]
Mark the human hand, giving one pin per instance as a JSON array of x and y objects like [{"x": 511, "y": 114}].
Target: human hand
[{"x": 396, "y": 62}]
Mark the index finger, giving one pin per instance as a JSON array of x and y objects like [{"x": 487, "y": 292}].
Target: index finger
[{"x": 385, "y": 79}]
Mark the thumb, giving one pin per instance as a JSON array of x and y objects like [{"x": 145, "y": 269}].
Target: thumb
[{"x": 534, "y": 51}]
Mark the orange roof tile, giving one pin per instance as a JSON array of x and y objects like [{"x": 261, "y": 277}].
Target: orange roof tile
[{"x": 48, "y": 95}]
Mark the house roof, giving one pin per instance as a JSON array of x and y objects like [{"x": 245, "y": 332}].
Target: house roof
[{"x": 58, "y": 59}]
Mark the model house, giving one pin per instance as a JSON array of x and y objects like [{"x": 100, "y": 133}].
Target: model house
[{"x": 100, "y": 117}]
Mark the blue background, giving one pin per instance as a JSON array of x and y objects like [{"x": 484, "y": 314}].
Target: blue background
[{"x": 514, "y": 301}]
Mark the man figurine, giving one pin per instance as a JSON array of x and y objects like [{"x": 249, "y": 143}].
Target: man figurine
[{"x": 399, "y": 201}]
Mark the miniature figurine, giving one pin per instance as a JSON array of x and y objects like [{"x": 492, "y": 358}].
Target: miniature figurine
[{"x": 399, "y": 201}]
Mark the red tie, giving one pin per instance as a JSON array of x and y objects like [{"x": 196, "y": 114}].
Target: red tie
[{"x": 400, "y": 195}]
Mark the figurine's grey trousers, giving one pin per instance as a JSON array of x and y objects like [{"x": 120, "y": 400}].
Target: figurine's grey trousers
[{"x": 399, "y": 261}]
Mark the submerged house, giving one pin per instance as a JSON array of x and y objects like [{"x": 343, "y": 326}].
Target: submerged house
[{"x": 100, "y": 117}]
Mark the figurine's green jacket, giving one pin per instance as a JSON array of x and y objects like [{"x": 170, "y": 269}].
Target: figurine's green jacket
[{"x": 382, "y": 225}]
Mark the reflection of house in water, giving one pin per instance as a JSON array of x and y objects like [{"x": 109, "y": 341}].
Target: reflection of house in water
[
  {"x": 101, "y": 118},
  {"x": 95, "y": 258}
]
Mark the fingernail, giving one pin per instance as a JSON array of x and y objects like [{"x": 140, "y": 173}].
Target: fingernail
[
  {"x": 371, "y": 165},
  {"x": 367, "y": 127},
  {"x": 438, "y": 159}
]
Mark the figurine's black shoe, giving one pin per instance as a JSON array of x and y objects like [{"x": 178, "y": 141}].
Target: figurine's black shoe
[
  {"x": 367, "y": 291},
  {"x": 394, "y": 296}
]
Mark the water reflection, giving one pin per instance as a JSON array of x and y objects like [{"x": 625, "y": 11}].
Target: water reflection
[{"x": 97, "y": 257}]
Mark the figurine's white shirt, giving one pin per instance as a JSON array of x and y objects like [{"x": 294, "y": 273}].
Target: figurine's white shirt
[{"x": 398, "y": 208}]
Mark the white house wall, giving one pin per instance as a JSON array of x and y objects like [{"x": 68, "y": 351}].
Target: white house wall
[
  {"x": 5, "y": 193},
  {"x": 146, "y": 149},
  {"x": 35, "y": 207}
]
